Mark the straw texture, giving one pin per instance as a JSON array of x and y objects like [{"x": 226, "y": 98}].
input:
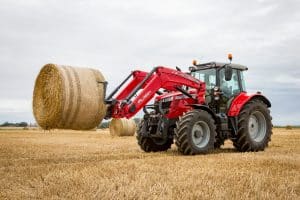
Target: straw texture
[
  {"x": 66, "y": 97},
  {"x": 122, "y": 127}
]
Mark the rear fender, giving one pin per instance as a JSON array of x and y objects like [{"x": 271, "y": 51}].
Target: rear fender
[{"x": 239, "y": 101}]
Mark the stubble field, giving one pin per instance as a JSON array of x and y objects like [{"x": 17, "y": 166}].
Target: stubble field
[{"x": 94, "y": 165}]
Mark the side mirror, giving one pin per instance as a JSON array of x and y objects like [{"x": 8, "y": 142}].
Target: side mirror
[{"x": 228, "y": 73}]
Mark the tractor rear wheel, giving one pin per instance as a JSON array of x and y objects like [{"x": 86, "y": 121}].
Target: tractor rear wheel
[
  {"x": 254, "y": 127},
  {"x": 149, "y": 144},
  {"x": 195, "y": 133}
]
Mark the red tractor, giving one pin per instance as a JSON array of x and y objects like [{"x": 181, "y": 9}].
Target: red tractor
[{"x": 199, "y": 109}]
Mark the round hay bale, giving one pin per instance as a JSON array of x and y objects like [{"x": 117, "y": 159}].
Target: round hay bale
[
  {"x": 66, "y": 97},
  {"x": 122, "y": 127}
]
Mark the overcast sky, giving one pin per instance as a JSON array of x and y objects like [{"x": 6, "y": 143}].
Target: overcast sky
[{"x": 119, "y": 36}]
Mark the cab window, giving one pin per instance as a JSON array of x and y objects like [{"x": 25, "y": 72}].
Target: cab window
[
  {"x": 243, "y": 81},
  {"x": 232, "y": 87},
  {"x": 208, "y": 76}
]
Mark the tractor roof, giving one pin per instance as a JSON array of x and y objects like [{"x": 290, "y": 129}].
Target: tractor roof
[{"x": 218, "y": 65}]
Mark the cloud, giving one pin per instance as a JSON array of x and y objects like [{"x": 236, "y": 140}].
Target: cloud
[
  {"x": 15, "y": 110},
  {"x": 288, "y": 80},
  {"x": 15, "y": 105},
  {"x": 120, "y": 36}
]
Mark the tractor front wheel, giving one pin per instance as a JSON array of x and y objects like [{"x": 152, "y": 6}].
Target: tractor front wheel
[
  {"x": 195, "y": 133},
  {"x": 254, "y": 127},
  {"x": 149, "y": 144}
]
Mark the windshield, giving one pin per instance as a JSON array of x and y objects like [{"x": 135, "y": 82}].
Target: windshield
[{"x": 208, "y": 76}]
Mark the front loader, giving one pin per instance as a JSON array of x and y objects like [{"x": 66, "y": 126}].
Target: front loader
[{"x": 199, "y": 109}]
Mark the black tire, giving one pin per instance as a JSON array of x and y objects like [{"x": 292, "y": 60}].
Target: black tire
[
  {"x": 149, "y": 144},
  {"x": 246, "y": 139},
  {"x": 186, "y": 135}
]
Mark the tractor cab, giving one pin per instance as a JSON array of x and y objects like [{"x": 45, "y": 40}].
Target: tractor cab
[{"x": 224, "y": 81}]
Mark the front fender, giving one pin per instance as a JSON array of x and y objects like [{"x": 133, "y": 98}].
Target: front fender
[
  {"x": 205, "y": 108},
  {"x": 239, "y": 101}
]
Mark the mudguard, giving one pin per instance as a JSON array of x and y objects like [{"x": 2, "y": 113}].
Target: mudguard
[{"x": 239, "y": 101}]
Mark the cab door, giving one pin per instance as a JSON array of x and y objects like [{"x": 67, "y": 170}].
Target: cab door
[{"x": 229, "y": 89}]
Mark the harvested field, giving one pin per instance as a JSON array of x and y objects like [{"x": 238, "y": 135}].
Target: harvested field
[{"x": 93, "y": 165}]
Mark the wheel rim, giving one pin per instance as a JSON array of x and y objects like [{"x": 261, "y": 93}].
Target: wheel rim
[
  {"x": 257, "y": 126},
  {"x": 200, "y": 134}
]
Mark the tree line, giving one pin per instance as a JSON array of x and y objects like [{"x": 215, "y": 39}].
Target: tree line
[{"x": 19, "y": 124}]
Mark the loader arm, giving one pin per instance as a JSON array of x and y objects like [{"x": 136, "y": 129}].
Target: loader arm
[{"x": 143, "y": 87}]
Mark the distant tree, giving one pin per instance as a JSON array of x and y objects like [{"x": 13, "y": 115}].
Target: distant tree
[
  {"x": 288, "y": 127},
  {"x": 4, "y": 124},
  {"x": 22, "y": 124},
  {"x": 8, "y": 124}
]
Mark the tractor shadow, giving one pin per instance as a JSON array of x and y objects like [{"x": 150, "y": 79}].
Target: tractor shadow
[{"x": 224, "y": 150}]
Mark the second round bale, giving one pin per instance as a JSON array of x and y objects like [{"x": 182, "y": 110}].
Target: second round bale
[{"x": 122, "y": 127}]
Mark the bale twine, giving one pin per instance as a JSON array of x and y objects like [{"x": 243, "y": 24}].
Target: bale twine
[
  {"x": 122, "y": 127},
  {"x": 66, "y": 97}
]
